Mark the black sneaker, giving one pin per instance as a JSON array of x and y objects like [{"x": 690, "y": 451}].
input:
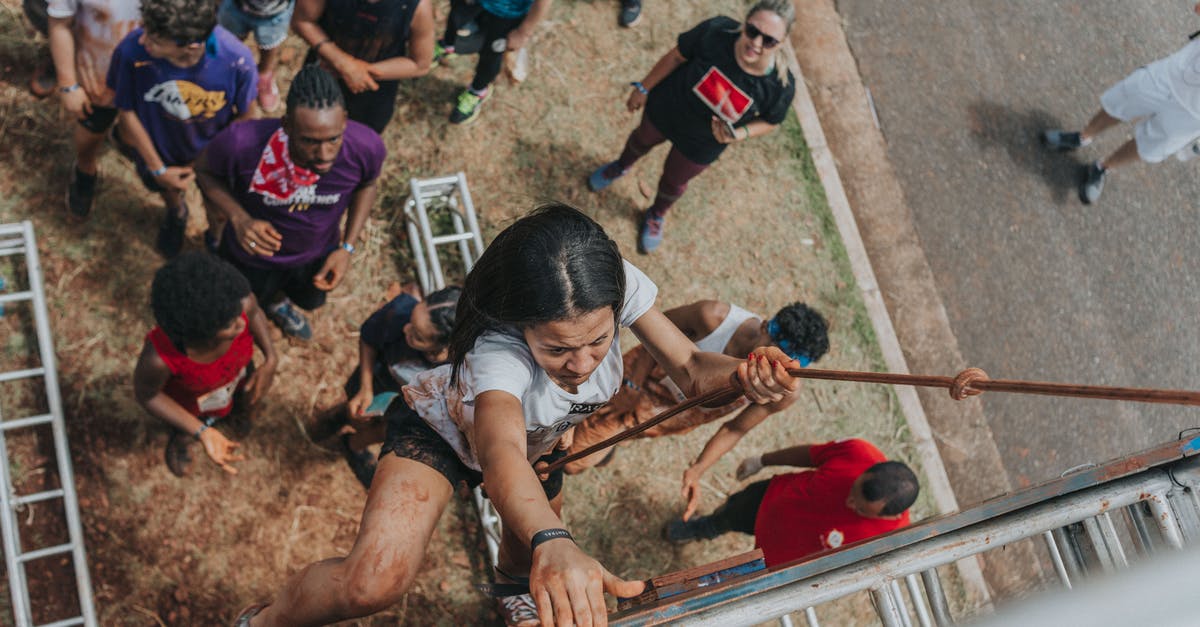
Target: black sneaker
[
  {"x": 170, "y": 234},
  {"x": 1093, "y": 183},
  {"x": 361, "y": 462},
  {"x": 698, "y": 528},
  {"x": 1061, "y": 140},
  {"x": 81, "y": 193},
  {"x": 178, "y": 458},
  {"x": 631, "y": 13}
]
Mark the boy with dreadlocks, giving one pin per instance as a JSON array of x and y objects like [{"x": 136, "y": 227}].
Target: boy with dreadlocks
[
  {"x": 178, "y": 81},
  {"x": 196, "y": 364},
  {"x": 283, "y": 186}
]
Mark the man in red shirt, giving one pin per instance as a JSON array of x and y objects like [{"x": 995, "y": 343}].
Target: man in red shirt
[{"x": 851, "y": 493}]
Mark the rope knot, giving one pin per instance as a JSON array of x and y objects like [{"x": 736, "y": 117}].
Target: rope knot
[{"x": 961, "y": 388}]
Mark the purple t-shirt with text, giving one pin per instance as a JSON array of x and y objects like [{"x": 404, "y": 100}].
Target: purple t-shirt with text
[
  {"x": 183, "y": 108},
  {"x": 309, "y": 221}
]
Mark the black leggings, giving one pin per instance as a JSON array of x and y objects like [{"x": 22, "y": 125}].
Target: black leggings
[
  {"x": 740, "y": 510},
  {"x": 494, "y": 30}
]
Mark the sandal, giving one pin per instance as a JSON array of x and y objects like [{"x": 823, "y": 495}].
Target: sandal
[{"x": 243, "y": 617}]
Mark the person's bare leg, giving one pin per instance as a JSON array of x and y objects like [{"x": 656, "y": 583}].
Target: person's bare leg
[
  {"x": 87, "y": 149},
  {"x": 403, "y": 507},
  {"x": 513, "y": 556},
  {"x": 268, "y": 59},
  {"x": 1099, "y": 123},
  {"x": 1123, "y": 156}
]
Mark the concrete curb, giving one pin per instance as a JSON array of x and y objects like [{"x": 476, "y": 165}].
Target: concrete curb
[{"x": 938, "y": 482}]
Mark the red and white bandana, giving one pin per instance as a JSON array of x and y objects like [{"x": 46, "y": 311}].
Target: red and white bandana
[{"x": 276, "y": 176}]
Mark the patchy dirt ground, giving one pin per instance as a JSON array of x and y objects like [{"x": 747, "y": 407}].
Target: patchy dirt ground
[{"x": 752, "y": 230}]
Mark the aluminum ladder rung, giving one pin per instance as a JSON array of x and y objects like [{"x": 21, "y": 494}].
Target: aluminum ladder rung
[
  {"x": 16, "y": 297},
  {"x": 21, "y": 374},
  {"x": 49, "y": 551},
  {"x": 21, "y": 423},
  {"x": 38, "y": 497},
  {"x": 450, "y": 239},
  {"x": 66, "y": 622}
]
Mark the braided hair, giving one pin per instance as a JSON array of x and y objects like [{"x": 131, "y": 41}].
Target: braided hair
[{"x": 314, "y": 88}]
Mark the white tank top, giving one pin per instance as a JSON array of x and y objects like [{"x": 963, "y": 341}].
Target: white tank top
[{"x": 715, "y": 342}]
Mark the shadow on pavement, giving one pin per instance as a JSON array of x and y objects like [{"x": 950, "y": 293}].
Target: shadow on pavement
[{"x": 1017, "y": 132}]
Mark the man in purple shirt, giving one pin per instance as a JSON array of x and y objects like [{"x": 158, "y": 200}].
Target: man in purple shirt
[
  {"x": 178, "y": 81},
  {"x": 283, "y": 185}
]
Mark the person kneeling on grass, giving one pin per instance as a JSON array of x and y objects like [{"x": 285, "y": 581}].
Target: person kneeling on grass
[
  {"x": 282, "y": 187},
  {"x": 851, "y": 493},
  {"x": 178, "y": 81},
  {"x": 403, "y": 338},
  {"x": 196, "y": 366},
  {"x": 722, "y": 83}
]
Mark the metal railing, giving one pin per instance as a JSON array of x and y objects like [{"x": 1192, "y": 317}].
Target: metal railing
[{"x": 1097, "y": 519}]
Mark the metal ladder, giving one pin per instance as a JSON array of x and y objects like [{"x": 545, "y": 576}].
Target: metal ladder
[
  {"x": 449, "y": 194},
  {"x": 18, "y": 239}
]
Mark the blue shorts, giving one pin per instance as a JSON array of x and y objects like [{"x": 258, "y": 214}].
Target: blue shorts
[{"x": 269, "y": 32}]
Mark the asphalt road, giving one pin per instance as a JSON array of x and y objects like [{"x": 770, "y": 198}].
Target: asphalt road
[{"x": 1037, "y": 285}]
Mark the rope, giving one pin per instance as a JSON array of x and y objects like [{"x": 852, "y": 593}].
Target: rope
[{"x": 969, "y": 382}]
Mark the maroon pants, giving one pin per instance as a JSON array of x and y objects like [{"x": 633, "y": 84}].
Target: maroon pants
[{"x": 677, "y": 170}]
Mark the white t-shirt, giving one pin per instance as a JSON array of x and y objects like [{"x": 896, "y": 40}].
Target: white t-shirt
[
  {"x": 1180, "y": 72},
  {"x": 99, "y": 26},
  {"x": 502, "y": 361}
]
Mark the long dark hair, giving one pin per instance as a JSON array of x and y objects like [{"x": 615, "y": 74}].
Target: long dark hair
[{"x": 553, "y": 264}]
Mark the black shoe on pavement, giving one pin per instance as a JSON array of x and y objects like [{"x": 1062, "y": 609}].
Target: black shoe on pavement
[
  {"x": 1061, "y": 140},
  {"x": 631, "y": 13},
  {"x": 170, "y": 234},
  {"x": 1093, "y": 183},
  {"x": 81, "y": 193}
]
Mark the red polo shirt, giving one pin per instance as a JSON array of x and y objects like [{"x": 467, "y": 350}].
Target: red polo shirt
[{"x": 805, "y": 512}]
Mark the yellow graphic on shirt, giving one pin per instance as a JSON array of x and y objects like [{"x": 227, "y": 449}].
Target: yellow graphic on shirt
[{"x": 186, "y": 100}]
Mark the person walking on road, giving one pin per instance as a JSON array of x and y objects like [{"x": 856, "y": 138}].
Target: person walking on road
[{"x": 1164, "y": 99}]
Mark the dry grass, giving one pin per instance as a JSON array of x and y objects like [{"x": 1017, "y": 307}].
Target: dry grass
[{"x": 194, "y": 551}]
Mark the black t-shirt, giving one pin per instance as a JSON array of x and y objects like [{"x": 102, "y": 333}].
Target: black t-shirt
[
  {"x": 679, "y": 105},
  {"x": 371, "y": 31}
]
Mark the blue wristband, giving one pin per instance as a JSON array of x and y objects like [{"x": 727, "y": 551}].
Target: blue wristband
[
  {"x": 348, "y": 247},
  {"x": 159, "y": 172},
  {"x": 640, "y": 87}
]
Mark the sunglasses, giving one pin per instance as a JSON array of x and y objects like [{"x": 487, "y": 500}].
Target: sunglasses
[{"x": 752, "y": 32}]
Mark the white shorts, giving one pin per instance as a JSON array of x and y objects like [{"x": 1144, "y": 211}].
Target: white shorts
[{"x": 1164, "y": 127}]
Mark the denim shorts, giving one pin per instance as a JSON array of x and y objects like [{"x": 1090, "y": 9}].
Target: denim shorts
[{"x": 269, "y": 32}]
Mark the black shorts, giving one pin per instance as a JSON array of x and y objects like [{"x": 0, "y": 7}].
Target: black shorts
[
  {"x": 295, "y": 283},
  {"x": 100, "y": 119},
  {"x": 408, "y": 436}
]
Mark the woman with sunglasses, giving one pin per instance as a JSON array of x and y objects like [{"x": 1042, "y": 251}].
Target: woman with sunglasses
[{"x": 722, "y": 83}]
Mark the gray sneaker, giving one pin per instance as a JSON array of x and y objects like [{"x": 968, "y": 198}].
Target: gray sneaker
[
  {"x": 289, "y": 320},
  {"x": 1093, "y": 183}
]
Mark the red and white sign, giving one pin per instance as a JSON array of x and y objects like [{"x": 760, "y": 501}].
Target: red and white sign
[{"x": 722, "y": 96}]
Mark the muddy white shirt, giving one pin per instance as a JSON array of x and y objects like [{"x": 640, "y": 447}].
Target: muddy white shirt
[{"x": 503, "y": 362}]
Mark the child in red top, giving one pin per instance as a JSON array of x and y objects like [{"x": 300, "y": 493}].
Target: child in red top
[
  {"x": 197, "y": 363},
  {"x": 851, "y": 493}
]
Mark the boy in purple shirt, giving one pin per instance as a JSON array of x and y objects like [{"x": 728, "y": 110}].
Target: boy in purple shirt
[
  {"x": 283, "y": 185},
  {"x": 179, "y": 80}
]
